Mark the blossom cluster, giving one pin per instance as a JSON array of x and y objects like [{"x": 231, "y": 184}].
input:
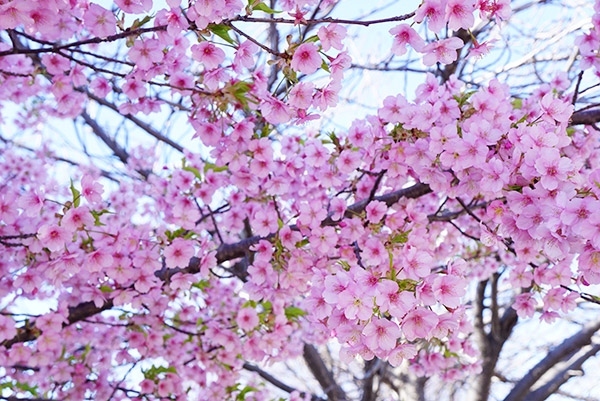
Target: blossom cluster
[{"x": 265, "y": 240}]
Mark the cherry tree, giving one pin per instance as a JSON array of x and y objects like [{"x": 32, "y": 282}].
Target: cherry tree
[{"x": 184, "y": 214}]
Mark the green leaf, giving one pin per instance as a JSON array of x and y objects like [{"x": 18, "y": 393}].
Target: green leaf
[
  {"x": 96, "y": 214},
  {"x": 15, "y": 385},
  {"x": 313, "y": 38},
  {"x": 221, "y": 31},
  {"x": 105, "y": 289},
  {"x": 249, "y": 304},
  {"x": 517, "y": 103},
  {"x": 193, "y": 170},
  {"x": 407, "y": 284},
  {"x": 76, "y": 195},
  {"x": 336, "y": 141},
  {"x": 214, "y": 167},
  {"x": 293, "y": 313},
  {"x": 267, "y": 306},
  {"x": 201, "y": 285},
  {"x": 400, "y": 238},
  {"x": 179, "y": 233},
  {"x": 264, "y": 8},
  {"x": 302, "y": 243},
  {"x": 26, "y": 387},
  {"x": 239, "y": 90},
  {"x": 520, "y": 121},
  {"x": 325, "y": 66},
  {"x": 462, "y": 99},
  {"x": 138, "y": 23},
  {"x": 345, "y": 265},
  {"x": 154, "y": 371},
  {"x": 242, "y": 395}
]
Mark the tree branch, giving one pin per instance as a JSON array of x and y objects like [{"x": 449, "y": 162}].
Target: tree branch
[
  {"x": 77, "y": 313},
  {"x": 323, "y": 374},
  {"x": 562, "y": 352},
  {"x": 143, "y": 125},
  {"x": 100, "y": 133},
  {"x": 275, "y": 381},
  {"x": 244, "y": 18},
  {"x": 586, "y": 117},
  {"x": 563, "y": 375}
]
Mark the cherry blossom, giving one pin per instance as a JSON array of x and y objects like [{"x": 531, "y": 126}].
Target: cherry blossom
[
  {"x": 250, "y": 226},
  {"x": 306, "y": 58},
  {"x": 443, "y": 51}
]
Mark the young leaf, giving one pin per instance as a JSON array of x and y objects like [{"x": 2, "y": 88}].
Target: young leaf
[
  {"x": 293, "y": 313},
  {"x": 76, "y": 195},
  {"x": 221, "y": 31},
  {"x": 264, "y": 8}
]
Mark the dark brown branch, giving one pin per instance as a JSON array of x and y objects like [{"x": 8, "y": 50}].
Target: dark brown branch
[
  {"x": 103, "y": 136},
  {"x": 323, "y": 374},
  {"x": 275, "y": 381},
  {"x": 368, "y": 391},
  {"x": 490, "y": 342},
  {"x": 322, "y": 20},
  {"x": 77, "y": 313},
  {"x": 562, "y": 352},
  {"x": 54, "y": 48},
  {"x": 572, "y": 370},
  {"x": 413, "y": 192},
  {"x": 586, "y": 117},
  {"x": 143, "y": 125}
]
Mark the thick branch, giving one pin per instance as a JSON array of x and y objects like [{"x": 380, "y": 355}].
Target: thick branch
[
  {"x": 143, "y": 125},
  {"x": 562, "y": 352},
  {"x": 323, "y": 374},
  {"x": 77, "y": 313},
  {"x": 492, "y": 341},
  {"x": 586, "y": 117},
  {"x": 368, "y": 381},
  {"x": 275, "y": 381},
  {"x": 100, "y": 133},
  {"x": 563, "y": 375},
  {"x": 413, "y": 192}
]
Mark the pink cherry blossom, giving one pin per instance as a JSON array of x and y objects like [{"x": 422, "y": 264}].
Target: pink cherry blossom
[
  {"x": 552, "y": 168},
  {"x": 434, "y": 11},
  {"x": 376, "y": 211},
  {"x": 331, "y": 36},
  {"x": 555, "y": 109},
  {"x": 208, "y": 54},
  {"x": 525, "y": 305},
  {"x": 145, "y": 53},
  {"x": 448, "y": 290},
  {"x": 381, "y": 334},
  {"x": 179, "y": 253},
  {"x": 405, "y": 35},
  {"x": 53, "y": 237},
  {"x": 134, "y": 6},
  {"x": 418, "y": 323},
  {"x": 7, "y": 328},
  {"x": 31, "y": 202},
  {"x": 460, "y": 14},
  {"x": 91, "y": 190},
  {"x": 99, "y": 21},
  {"x": 247, "y": 319},
  {"x": 443, "y": 51},
  {"x": 306, "y": 58},
  {"x": 76, "y": 218}
]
